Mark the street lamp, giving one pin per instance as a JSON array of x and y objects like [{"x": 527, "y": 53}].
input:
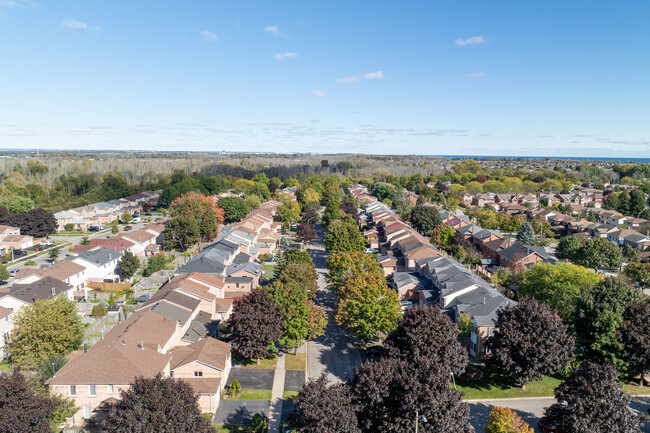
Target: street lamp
[
  {"x": 417, "y": 419},
  {"x": 453, "y": 379}
]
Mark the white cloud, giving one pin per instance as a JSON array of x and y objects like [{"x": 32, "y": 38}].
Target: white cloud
[
  {"x": 208, "y": 35},
  {"x": 282, "y": 56},
  {"x": 373, "y": 75},
  {"x": 274, "y": 30},
  {"x": 73, "y": 24},
  {"x": 474, "y": 75},
  {"x": 317, "y": 93},
  {"x": 474, "y": 40},
  {"x": 356, "y": 78}
]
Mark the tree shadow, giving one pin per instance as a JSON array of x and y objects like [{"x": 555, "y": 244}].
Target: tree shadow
[
  {"x": 242, "y": 416},
  {"x": 490, "y": 378}
]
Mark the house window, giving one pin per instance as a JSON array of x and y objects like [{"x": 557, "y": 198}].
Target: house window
[
  {"x": 198, "y": 374},
  {"x": 73, "y": 390},
  {"x": 87, "y": 412},
  {"x": 237, "y": 285},
  {"x": 110, "y": 389},
  {"x": 91, "y": 390}
]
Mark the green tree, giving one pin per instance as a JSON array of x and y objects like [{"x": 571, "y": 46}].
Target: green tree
[
  {"x": 154, "y": 264},
  {"x": 599, "y": 252},
  {"x": 235, "y": 208},
  {"x": 611, "y": 202},
  {"x": 526, "y": 234},
  {"x": 425, "y": 219},
  {"x": 45, "y": 328},
  {"x": 597, "y": 317},
  {"x": 631, "y": 254},
  {"x": 296, "y": 307},
  {"x": 624, "y": 202},
  {"x": 4, "y": 273},
  {"x": 568, "y": 247},
  {"x": 487, "y": 219},
  {"x": 343, "y": 236},
  {"x": 637, "y": 202},
  {"x": 129, "y": 265},
  {"x": 289, "y": 211},
  {"x": 126, "y": 217},
  {"x": 53, "y": 254},
  {"x": 16, "y": 203},
  {"x": 634, "y": 335},
  {"x": 85, "y": 241},
  {"x": 370, "y": 310},
  {"x": 181, "y": 232},
  {"x": 638, "y": 274},
  {"x": 557, "y": 285},
  {"x": 115, "y": 228}
]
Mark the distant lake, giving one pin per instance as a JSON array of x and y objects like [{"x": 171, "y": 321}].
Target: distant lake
[{"x": 571, "y": 158}]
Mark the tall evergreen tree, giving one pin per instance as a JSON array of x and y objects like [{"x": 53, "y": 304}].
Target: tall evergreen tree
[{"x": 526, "y": 234}]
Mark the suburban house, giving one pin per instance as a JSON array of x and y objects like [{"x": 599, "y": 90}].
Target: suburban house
[
  {"x": 518, "y": 256},
  {"x": 100, "y": 263},
  {"x": 67, "y": 271},
  {"x": 21, "y": 295},
  {"x": 6, "y": 325}
]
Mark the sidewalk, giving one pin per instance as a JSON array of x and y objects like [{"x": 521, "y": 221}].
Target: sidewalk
[{"x": 276, "y": 396}]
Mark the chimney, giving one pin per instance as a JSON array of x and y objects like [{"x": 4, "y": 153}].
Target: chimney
[
  {"x": 53, "y": 291},
  {"x": 483, "y": 300},
  {"x": 142, "y": 345}
]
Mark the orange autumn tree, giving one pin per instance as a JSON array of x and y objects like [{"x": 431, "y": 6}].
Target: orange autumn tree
[
  {"x": 203, "y": 210},
  {"x": 506, "y": 420}
]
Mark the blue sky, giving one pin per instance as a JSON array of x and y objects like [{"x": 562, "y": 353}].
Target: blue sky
[{"x": 558, "y": 78}]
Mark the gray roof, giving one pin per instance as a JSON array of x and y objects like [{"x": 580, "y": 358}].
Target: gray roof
[
  {"x": 525, "y": 250},
  {"x": 402, "y": 279},
  {"x": 165, "y": 309},
  {"x": 100, "y": 256},
  {"x": 635, "y": 238},
  {"x": 40, "y": 289},
  {"x": 202, "y": 326},
  {"x": 238, "y": 279},
  {"x": 252, "y": 267},
  {"x": 241, "y": 258},
  {"x": 206, "y": 264},
  {"x": 171, "y": 295},
  {"x": 482, "y": 305}
]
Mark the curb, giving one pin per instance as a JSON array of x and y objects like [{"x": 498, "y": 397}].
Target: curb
[{"x": 483, "y": 400}]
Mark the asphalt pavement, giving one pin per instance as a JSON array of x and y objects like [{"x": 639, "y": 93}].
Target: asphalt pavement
[{"x": 335, "y": 352}]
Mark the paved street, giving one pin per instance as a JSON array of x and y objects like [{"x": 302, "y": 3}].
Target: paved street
[
  {"x": 531, "y": 409},
  {"x": 334, "y": 352}
]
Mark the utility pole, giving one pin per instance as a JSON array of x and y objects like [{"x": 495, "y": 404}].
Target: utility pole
[{"x": 416, "y": 420}]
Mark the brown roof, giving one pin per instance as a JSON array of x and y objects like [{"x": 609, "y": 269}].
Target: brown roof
[
  {"x": 63, "y": 270},
  {"x": 115, "y": 243},
  {"x": 139, "y": 236},
  {"x": 26, "y": 272},
  {"x": 207, "y": 279},
  {"x": 5, "y": 312},
  {"x": 204, "y": 385},
  {"x": 129, "y": 350},
  {"x": 209, "y": 351},
  {"x": 15, "y": 238},
  {"x": 223, "y": 305}
]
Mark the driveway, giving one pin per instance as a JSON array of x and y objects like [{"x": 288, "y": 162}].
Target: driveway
[
  {"x": 240, "y": 411},
  {"x": 334, "y": 352},
  {"x": 251, "y": 378},
  {"x": 531, "y": 409}
]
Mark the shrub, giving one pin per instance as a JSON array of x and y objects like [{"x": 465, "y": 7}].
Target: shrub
[
  {"x": 69, "y": 227},
  {"x": 98, "y": 311},
  {"x": 30, "y": 263}
]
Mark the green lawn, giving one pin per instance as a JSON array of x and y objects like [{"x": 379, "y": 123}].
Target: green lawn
[
  {"x": 268, "y": 267},
  {"x": 253, "y": 394},
  {"x": 289, "y": 395},
  {"x": 493, "y": 385},
  {"x": 295, "y": 362},
  {"x": 227, "y": 428},
  {"x": 267, "y": 364},
  {"x": 634, "y": 389}
]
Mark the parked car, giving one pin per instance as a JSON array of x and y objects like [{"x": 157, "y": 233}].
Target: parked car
[
  {"x": 47, "y": 243},
  {"x": 13, "y": 272},
  {"x": 550, "y": 425},
  {"x": 128, "y": 228},
  {"x": 147, "y": 214},
  {"x": 371, "y": 251},
  {"x": 94, "y": 228},
  {"x": 18, "y": 253},
  {"x": 136, "y": 220},
  {"x": 158, "y": 219},
  {"x": 375, "y": 352}
]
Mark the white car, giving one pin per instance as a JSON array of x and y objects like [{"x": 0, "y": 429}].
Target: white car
[
  {"x": 406, "y": 305},
  {"x": 136, "y": 220},
  {"x": 46, "y": 242},
  {"x": 371, "y": 251}
]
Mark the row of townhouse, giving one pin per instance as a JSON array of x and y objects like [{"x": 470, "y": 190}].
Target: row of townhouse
[
  {"x": 361, "y": 194},
  {"x": 174, "y": 333},
  {"x": 10, "y": 238},
  {"x": 585, "y": 197},
  {"x": 422, "y": 274},
  {"x": 232, "y": 255},
  {"x": 496, "y": 249},
  {"x": 101, "y": 213}
]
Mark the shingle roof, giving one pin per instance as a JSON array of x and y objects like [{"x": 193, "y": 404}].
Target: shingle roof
[
  {"x": 100, "y": 256},
  {"x": 209, "y": 351},
  {"x": 41, "y": 289}
]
